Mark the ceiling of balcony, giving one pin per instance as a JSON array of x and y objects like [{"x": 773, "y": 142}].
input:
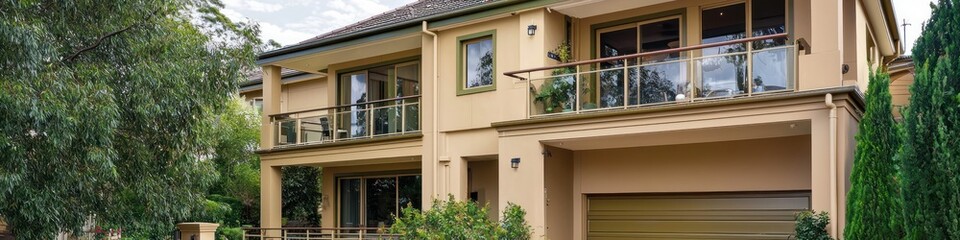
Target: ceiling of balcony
[
  {"x": 718, "y": 134},
  {"x": 589, "y": 8}
]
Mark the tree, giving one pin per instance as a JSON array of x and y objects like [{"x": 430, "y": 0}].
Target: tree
[
  {"x": 301, "y": 195},
  {"x": 104, "y": 105},
  {"x": 929, "y": 155},
  {"x": 874, "y": 207},
  {"x": 235, "y": 134}
]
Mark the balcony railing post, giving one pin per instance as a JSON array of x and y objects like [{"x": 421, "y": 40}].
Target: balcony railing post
[
  {"x": 370, "y": 118},
  {"x": 749, "y": 63},
  {"x": 626, "y": 83},
  {"x": 576, "y": 80},
  {"x": 403, "y": 117},
  {"x": 299, "y": 130}
]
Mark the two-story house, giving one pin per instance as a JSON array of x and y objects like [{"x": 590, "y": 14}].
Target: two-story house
[{"x": 665, "y": 119}]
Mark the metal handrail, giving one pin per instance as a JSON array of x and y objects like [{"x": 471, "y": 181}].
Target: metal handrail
[
  {"x": 344, "y": 105},
  {"x": 513, "y": 74},
  {"x": 316, "y": 233}
]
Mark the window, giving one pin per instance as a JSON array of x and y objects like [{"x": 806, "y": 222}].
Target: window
[
  {"x": 373, "y": 201},
  {"x": 723, "y": 69},
  {"x": 652, "y": 79},
  {"x": 257, "y": 104},
  {"x": 376, "y": 84},
  {"x": 476, "y": 63}
]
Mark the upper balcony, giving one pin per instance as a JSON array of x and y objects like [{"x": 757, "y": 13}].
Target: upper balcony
[
  {"x": 362, "y": 120},
  {"x": 742, "y": 67}
]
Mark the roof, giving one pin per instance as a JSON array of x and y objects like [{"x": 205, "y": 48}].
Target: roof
[
  {"x": 256, "y": 77},
  {"x": 418, "y": 9},
  {"x": 410, "y": 14}
]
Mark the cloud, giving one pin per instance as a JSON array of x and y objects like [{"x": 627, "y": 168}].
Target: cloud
[{"x": 252, "y": 5}]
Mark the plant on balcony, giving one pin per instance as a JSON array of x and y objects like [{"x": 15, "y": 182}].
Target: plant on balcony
[
  {"x": 556, "y": 94},
  {"x": 452, "y": 219}
]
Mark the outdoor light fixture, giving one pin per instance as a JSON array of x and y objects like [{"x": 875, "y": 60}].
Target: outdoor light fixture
[
  {"x": 515, "y": 162},
  {"x": 531, "y": 30}
]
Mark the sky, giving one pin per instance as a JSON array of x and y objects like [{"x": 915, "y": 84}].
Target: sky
[
  {"x": 915, "y": 12},
  {"x": 291, "y": 21}
]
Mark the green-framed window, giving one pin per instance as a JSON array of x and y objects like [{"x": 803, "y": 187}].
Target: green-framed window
[{"x": 476, "y": 62}]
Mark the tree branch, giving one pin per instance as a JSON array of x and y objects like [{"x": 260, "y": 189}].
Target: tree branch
[{"x": 108, "y": 35}]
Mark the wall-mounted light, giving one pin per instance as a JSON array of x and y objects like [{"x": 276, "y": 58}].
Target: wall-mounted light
[
  {"x": 531, "y": 30},
  {"x": 515, "y": 163}
]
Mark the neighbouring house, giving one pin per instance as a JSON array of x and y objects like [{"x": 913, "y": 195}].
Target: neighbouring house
[{"x": 668, "y": 118}]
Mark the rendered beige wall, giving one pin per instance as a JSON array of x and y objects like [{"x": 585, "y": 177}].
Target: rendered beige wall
[
  {"x": 558, "y": 183},
  {"x": 305, "y": 95},
  {"x": 484, "y": 182},
  {"x": 747, "y": 165},
  {"x": 900, "y": 90}
]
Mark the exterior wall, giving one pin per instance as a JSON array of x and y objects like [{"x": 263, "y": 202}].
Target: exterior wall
[
  {"x": 559, "y": 181},
  {"x": 328, "y": 192},
  {"x": 900, "y": 90},
  {"x": 770, "y": 164},
  {"x": 251, "y": 94},
  {"x": 484, "y": 182},
  {"x": 303, "y": 95}
]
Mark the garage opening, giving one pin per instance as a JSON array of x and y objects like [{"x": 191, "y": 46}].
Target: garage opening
[{"x": 757, "y": 215}]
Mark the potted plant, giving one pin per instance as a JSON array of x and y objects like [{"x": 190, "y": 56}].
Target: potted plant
[{"x": 557, "y": 93}]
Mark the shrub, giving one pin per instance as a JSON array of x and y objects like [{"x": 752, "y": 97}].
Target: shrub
[
  {"x": 812, "y": 226},
  {"x": 454, "y": 219},
  {"x": 230, "y": 233}
]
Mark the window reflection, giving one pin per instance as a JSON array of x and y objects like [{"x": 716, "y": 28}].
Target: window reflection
[{"x": 725, "y": 74}]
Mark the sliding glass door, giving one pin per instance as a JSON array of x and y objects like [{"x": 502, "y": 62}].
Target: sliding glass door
[
  {"x": 650, "y": 79},
  {"x": 376, "y": 85},
  {"x": 373, "y": 201}
]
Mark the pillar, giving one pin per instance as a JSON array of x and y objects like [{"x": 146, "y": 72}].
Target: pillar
[{"x": 198, "y": 231}]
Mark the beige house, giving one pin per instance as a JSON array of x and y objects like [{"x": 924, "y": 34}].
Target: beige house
[{"x": 670, "y": 118}]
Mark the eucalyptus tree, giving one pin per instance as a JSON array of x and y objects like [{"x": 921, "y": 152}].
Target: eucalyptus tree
[{"x": 102, "y": 108}]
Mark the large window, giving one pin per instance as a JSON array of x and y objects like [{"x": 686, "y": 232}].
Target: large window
[
  {"x": 375, "y": 85},
  {"x": 373, "y": 201},
  {"x": 723, "y": 70},
  {"x": 651, "y": 79},
  {"x": 476, "y": 60}
]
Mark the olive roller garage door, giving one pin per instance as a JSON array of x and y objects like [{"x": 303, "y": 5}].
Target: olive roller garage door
[{"x": 695, "y": 216}]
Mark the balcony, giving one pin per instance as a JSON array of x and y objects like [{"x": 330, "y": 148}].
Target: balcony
[
  {"x": 713, "y": 71},
  {"x": 372, "y": 119}
]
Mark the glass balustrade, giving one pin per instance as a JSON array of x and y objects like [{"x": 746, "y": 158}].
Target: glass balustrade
[{"x": 355, "y": 121}]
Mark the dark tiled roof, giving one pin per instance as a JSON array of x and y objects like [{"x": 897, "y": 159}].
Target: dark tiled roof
[{"x": 418, "y": 9}]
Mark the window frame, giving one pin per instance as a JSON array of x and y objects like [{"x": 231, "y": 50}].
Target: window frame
[{"x": 462, "y": 41}]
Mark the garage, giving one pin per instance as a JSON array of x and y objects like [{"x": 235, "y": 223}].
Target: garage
[{"x": 764, "y": 215}]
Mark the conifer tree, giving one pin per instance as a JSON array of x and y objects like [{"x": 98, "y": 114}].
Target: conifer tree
[
  {"x": 931, "y": 152},
  {"x": 873, "y": 204}
]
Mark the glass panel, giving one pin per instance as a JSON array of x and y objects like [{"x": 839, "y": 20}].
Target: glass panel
[
  {"x": 381, "y": 198},
  {"x": 588, "y": 93},
  {"x": 386, "y": 120},
  {"x": 479, "y": 63},
  {"x": 612, "y": 44},
  {"x": 288, "y": 132},
  {"x": 772, "y": 70},
  {"x": 769, "y": 17},
  {"x": 353, "y": 91},
  {"x": 664, "y": 82},
  {"x": 723, "y": 75},
  {"x": 410, "y": 191},
  {"x": 349, "y": 202},
  {"x": 412, "y": 115},
  {"x": 315, "y": 129}
]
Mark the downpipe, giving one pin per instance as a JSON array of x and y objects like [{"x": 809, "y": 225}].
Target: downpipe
[
  {"x": 434, "y": 147},
  {"x": 828, "y": 101}
]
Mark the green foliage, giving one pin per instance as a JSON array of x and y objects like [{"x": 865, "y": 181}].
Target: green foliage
[
  {"x": 813, "y": 226},
  {"x": 301, "y": 195},
  {"x": 874, "y": 206},
  {"x": 557, "y": 94},
  {"x": 229, "y": 233},
  {"x": 931, "y": 125},
  {"x": 234, "y": 135},
  {"x": 454, "y": 219},
  {"x": 104, "y": 105}
]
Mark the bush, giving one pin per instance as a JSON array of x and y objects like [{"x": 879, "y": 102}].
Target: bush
[
  {"x": 454, "y": 219},
  {"x": 230, "y": 233},
  {"x": 812, "y": 226}
]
